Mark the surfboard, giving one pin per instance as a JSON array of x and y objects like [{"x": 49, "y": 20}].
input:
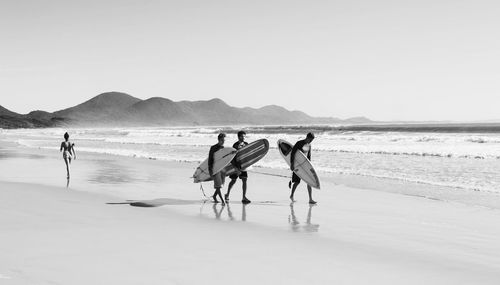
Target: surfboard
[
  {"x": 303, "y": 167},
  {"x": 247, "y": 156},
  {"x": 222, "y": 158}
]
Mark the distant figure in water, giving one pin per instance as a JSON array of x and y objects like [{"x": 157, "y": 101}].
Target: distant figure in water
[
  {"x": 68, "y": 150},
  {"x": 305, "y": 147},
  {"x": 243, "y": 175},
  {"x": 219, "y": 176}
]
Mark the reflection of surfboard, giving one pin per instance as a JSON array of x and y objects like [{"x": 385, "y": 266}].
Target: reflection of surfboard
[
  {"x": 303, "y": 167},
  {"x": 247, "y": 156},
  {"x": 222, "y": 158}
]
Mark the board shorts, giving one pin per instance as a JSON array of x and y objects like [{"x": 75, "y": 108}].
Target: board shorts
[
  {"x": 241, "y": 175},
  {"x": 219, "y": 178},
  {"x": 295, "y": 178}
]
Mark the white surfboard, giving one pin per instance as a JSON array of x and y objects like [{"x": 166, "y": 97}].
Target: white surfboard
[
  {"x": 222, "y": 158},
  {"x": 303, "y": 167}
]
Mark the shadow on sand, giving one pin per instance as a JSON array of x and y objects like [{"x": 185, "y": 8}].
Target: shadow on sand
[
  {"x": 175, "y": 202},
  {"x": 158, "y": 202}
]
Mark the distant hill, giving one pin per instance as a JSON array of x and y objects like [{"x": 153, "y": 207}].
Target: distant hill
[
  {"x": 120, "y": 109},
  {"x": 35, "y": 119},
  {"x": 9, "y": 113},
  {"x": 104, "y": 107}
]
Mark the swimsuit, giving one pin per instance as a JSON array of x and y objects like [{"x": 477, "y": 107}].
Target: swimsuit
[{"x": 66, "y": 152}]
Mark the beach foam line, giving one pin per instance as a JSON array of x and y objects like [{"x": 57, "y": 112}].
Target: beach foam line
[{"x": 419, "y": 154}]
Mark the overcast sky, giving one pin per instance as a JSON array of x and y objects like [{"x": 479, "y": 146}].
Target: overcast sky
[{"x": 387, "y": 60}]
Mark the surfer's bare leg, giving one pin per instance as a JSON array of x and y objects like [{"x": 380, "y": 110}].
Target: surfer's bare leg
[
  {"x": 218, "y": 183},
  {"x": 220, "y": 196},
  {"x": 231, "y": 184},
  {"x": 217, "y": 193},
  {"x": 309, "y": 190},
  {"x": 244, "y": 188},
  {"x": 223, "y": 178},
  {"x": 295, "y": 184}
]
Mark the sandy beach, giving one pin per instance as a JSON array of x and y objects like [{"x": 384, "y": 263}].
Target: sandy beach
[{"x": 139, "y": 221}]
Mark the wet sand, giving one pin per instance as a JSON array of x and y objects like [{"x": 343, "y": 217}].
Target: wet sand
[{"x": 138, "y": 221}]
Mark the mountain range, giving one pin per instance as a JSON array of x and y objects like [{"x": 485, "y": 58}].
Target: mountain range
[{"x": 120, "y": 109}]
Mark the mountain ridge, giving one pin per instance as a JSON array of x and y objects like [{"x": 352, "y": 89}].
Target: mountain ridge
[{"x": 121, "y": 109}]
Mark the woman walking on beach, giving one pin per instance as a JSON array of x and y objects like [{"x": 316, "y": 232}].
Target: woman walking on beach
[{"x": 68, "y": 150}]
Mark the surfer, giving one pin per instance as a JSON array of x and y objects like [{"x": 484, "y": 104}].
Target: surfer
[
  {"x": 243, "y": 175},
  {"x": 219, "y": 176},
  {"x": 305, "y": 147},
  {"x": 68, "y": 150}
]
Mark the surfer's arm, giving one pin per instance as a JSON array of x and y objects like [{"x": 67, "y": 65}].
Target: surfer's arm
[
  {"x": 309, "y": 154},
  {"x": 292, "y": 154},
  {"x": 61, "y": 148},
  {"x": 236, "y": 164},
  {"x": 211, "y": 160}
]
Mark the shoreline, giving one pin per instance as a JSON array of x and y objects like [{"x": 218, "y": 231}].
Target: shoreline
[{"x": 465, "y": 196}]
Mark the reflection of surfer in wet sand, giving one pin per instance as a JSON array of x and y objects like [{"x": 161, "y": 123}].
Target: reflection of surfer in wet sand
[
  {"x": 229, "y": 213},
  {"x": 295, "y": 225},
  {"x": 305, "y": 147},
  {"x": 243, "y": 212},
  {"x": 69, "y": 153},
  {"x": 217, "y": 213},
  {"x": 292, "y": 219}
]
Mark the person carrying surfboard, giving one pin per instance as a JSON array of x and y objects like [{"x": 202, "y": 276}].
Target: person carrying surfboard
[
  {"x": 305, "y": 147},
  {"x": 243, "y": 175},
  {"x": 219, "y": 176}
]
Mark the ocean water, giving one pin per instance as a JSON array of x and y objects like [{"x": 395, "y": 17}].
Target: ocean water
[{"x": 468, "y": 161}]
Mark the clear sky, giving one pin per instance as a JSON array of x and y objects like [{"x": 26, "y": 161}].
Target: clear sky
[{"x": 387, "y": 60}]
